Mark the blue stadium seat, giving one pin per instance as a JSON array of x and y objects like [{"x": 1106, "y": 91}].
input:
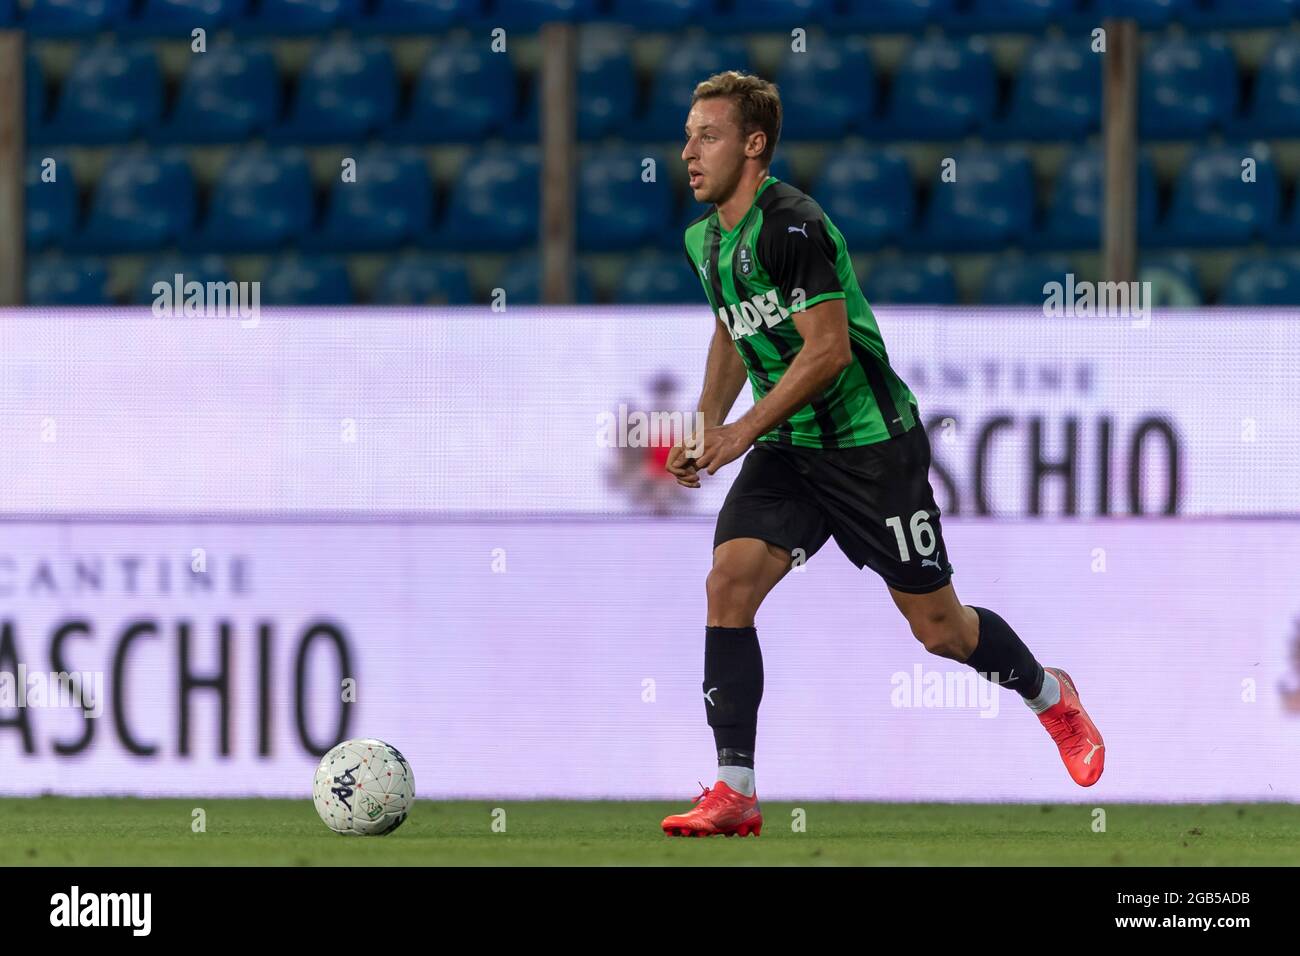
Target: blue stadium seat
[
  {"x": 1272, "y": 281},
  {"x": 911, "y": 281},
  {"x": 176, "y": 18},
  {"x": 1188, "y": 86},
  {"x": 413, "y": 16},
  {"x": 494, "y": 203},
  {"x": 658, "y": 277},
  {"x": 944, "y": 89},
  {"x": 684, "y": 66},
  {"x": 64, "y": 18},
  {"x": 1231, "y": 14},
  {"x": 1148, "y": 13},
  {"x": 34, "y": 82},
  {"x": 1074, "y": 212},
  {"x": 58, "y": 281},
  {"x": 8, "y": 12},
  {"x": 52, "y": 207},
  {"x": 990, "y": 204},
  {"x": 228, "y": 95},
  {"x": 826, "y": 91},
  {"x": 1274, "y": 108},
  {"x": 659, "y": 14},
  {"x": 202, "y": 269},
  {"x": 298, "y": 17},
  {"x": 893, "y": 15},
  {"x": 306, "y": 280},
  {"x": 606, "y": 83},
  {"x": 767, "y": 15},
  {"x": 143, "y": 201},
  {"x": 422, "y": 279},
  {"x": 521, "y": 278},
  {"x": 1287, "y": 230},
  {"x": 1013, "y": 281},
  {"x": 1213, "y": 206},
  {"x": 1173, "y": 279},
  {"x": 1011, "y": 16},
  {"x": 1057, "y": 94},
  {"x": 111, "y": 95},
  {"x": 463, "y": 93},
  {"x": 616, "y": 209},
  {"x": 390, "y": 203},
  {"x": 347, "y": 91},
  {"x": 868, "y": 195},
  {"x": 262, "y": 200},
  {"x": 531, "y": 14}
]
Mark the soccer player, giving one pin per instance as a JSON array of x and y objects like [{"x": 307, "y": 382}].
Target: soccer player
[{"x": 836, "y": 449}]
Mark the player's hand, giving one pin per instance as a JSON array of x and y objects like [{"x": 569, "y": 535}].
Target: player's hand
[
  {"x": 723, "y": 445},
  {"x": 682, "y": 467}
]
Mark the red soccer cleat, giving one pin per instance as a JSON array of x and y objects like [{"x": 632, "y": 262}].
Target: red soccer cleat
[
  {"x": 719, "y": 810},
  {"x": 1078, "y": 738}
]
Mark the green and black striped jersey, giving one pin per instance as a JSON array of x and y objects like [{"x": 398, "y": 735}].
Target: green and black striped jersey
[{"x": 786, "y": 255}]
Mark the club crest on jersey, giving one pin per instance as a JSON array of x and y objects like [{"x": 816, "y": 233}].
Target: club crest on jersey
[
  {"x": 746, "y": 261},
  {"x": 750, "y": 315}
]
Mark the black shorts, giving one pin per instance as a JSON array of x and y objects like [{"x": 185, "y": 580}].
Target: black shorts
[{"x": 875, "y": 500}]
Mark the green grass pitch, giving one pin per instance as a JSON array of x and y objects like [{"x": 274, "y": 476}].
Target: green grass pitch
[{"x": 58, "y": 831}]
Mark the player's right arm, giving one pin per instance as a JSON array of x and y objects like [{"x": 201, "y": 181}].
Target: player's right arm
[{"x": 724, "y": 375}]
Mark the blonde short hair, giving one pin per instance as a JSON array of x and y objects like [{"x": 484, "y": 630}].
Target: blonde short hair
[{"x": 758, "y": 103}]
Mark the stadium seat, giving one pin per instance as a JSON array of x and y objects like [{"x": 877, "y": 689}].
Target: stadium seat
[
  {"x": 111, "y": 94},
  {"x": 943, "y": 89},
  {"x": 1232, "y": 14},
  {"x": 494, "y": 203},
  {"x": 1011, "y": 16},
  {"x": 826, "y": 91},
  {"x": 306, "y": 280},
  {"x": 1272, "y": 281},
  {"x": 413, "y": 16},
  {"x": 606, "y": 83},
  {"x": 228, "y": 95},
  {"x": 66, "y": 18},
  {"x": 911, "y": 281},
  {"x": 658, "y": 277},
  {"x": 143, "y": 201},
  {"x": 521, "y": 279},
  {"x": 1148, "y": 13},
  {"x": 531, "y": 14},
  {"x": 202, "y": 269},
  {"x": 261, "y": 201},
  {"x": 1011, "y": 281},
  {"x": 347, "y": 91},
  {"x": 8, "y": 13},
  {"x": 1213, "y": 206},
  {"x": 893, "y": 15},
  {"x": 1074, "y": 212},
  {"x": 34, "y": 83},
  {"x": 463, "y": 93},
  {"x": 52, "y": 207},
  {"x": 1274, "y": 108},
  {"x": 1188, "y": 87},
  {"x": 617, "y": 209},
  {"x": 1173, "y": 281},
  {"x": 766, "y": 15},
  {"x": 1057, "y": 94},
  {"x": 869, "y": 196},
  {"x": 57, "y": 281},
  {"x": 390, "y": 203},
  {"x": 176, "y": 18},
  {"x": 989, "y": 204},
  {"x": 659, "y": 14},
  {"x": 422, "y": 279},
  {"x": 298, "y": 17},
  {"x": 685, "y": 65}
]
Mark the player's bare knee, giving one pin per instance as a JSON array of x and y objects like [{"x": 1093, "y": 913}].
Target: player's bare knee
[
  {"x": 730, "y": 595},
  {"x": 940, "y": 633}
]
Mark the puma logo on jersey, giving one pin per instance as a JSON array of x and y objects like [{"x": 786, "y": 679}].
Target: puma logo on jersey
[
  {"x": 704, "y": 269},
  {"x": 803, "y": 229},
  {"x": 748, "y": 316}
]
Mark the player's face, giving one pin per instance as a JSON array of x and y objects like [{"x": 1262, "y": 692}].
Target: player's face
[{"x": 715, "y": 149}]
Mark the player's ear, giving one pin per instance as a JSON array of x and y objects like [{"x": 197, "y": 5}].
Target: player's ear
[{"x": 756, "y": 144}]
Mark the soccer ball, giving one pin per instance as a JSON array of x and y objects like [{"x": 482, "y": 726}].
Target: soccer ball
[{"x": 363, "y": 788}]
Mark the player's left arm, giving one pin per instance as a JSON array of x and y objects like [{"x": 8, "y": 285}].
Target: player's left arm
[{"x": 800, "y": 256}]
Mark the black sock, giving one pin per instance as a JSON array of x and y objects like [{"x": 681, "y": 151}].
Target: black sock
[
  {"x": 733, "y": 687},
  {"x": 1002, "y": 654}
]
